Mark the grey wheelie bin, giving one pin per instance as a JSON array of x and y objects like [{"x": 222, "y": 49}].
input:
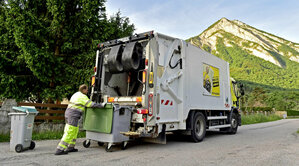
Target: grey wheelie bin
[{"x": 21, "y": 128}]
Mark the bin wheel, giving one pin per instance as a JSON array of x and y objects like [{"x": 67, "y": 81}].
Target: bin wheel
[
  {"x": 19, "y": 148},
  {"x": 124, "y": 145},
  {"x": 32, "y": 145},
  {"x": 86, "y": 143},
  {"x": 108, "y": 148},
  {"x": 100, "y": 143}
]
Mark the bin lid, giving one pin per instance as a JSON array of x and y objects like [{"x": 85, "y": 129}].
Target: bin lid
[{"x": 30, "y": 109}]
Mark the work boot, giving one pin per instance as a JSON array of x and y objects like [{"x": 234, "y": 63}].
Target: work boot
[
  {"x": 72, "y": 149},
  {"x": 60, "y": 152}
]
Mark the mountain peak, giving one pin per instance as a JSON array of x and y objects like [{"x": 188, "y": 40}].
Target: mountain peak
[
  {"x": 224, "y": 19},
  {"x": 256, "y": 42}
]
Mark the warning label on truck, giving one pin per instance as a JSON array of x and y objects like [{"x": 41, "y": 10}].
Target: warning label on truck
[{"x": 211, "y": 80}]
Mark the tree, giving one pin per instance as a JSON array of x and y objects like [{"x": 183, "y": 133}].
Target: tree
[{"x": 51, "y": 45}]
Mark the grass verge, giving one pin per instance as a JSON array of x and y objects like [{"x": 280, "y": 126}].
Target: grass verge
[
  {"x": 4, "y": 137},
  {"x": 258, "y": 118},
  {"x": 43, "y": 136}
]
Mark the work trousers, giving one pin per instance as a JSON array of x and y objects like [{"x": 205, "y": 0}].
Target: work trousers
[{"x": 71, "y": 130}]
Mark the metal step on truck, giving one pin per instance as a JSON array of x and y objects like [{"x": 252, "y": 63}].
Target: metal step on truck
[{"x": 153, "y": 84}]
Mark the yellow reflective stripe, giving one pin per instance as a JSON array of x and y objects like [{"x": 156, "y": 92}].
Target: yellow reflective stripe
[
  {"x": 61, "y": 147},
  {"x": 63, "y": 143},
  {"x": 82, "y": 108},
  {"x": 73, "y": 142}
]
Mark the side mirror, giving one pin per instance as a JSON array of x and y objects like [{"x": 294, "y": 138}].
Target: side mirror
[{"x": 242, "y": 89}]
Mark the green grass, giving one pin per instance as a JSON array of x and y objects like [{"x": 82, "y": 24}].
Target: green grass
[
  {"x": 4, "y": 138},
  {"x": 43, "y": 136},
  {"x": 298, "y": 131},
  {"x": 258, "y": 118}
]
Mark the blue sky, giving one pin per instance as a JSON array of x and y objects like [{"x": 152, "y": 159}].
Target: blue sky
[{"x": 188, "y": 18}]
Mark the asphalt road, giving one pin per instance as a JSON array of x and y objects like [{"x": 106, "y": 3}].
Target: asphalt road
[{"x": 272, "y": 143}]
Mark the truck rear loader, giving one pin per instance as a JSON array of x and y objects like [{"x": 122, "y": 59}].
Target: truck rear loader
[{"x": 161, "y": 84}]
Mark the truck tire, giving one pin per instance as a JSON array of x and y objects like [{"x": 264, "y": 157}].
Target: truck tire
[
  {"x": 199, "y": 127},
  {"x": 234, "y": 125}
]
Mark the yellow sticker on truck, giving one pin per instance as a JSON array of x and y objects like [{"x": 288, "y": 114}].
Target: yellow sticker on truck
[{"x": 211, "y": 80}]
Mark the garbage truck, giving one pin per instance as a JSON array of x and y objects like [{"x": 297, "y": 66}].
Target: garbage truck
[{"x": 166, "y": 85}]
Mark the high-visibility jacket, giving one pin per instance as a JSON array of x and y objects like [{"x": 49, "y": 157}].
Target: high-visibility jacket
[{"x": 79, "y": 101}]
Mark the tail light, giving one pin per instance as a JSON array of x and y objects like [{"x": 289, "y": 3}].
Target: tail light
[
  {"x": 146, "y": 62},
  {"x": 93, "y": 80},
  {"x": 110, "y": 99},
  {"x": 139, "y": 99},
  {"x": 95, "y": 69},
  {"x": 150, "y": 104},
  {"x": 142, "y": 111}
]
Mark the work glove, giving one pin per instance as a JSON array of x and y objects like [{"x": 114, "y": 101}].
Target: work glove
[
  {"x": 99, "y": 105},
  {"x": 103, "y": 104}
]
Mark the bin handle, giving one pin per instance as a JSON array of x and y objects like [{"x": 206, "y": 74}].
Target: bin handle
[
  {"x": 15, "y": 113},
  {"x": 20, "y": 113}
]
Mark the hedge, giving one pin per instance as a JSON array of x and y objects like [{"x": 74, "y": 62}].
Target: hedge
[{"x": 292, "y": 113}]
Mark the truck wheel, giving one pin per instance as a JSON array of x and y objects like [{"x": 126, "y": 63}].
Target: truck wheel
[
  {"x": 19, "y": 148},
  {"x": 234, "y": 124},
  {"x": 199, "y": 127},
  {"x": 86, "y": 143},
  {"x": 32, "y": 145}
]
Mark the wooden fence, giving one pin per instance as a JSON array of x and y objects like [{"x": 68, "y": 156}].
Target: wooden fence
[{"x": 47, "y": 112}]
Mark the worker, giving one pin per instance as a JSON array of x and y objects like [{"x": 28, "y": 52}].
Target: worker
[{"x": 73, "y": 113}]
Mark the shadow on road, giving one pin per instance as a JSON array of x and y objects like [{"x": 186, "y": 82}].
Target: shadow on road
[
  {"x": 171, "y": 140},
  {"x": 186, "y": 138}
]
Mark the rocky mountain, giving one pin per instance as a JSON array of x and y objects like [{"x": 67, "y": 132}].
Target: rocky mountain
[{"x": 255, "y": 56}]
